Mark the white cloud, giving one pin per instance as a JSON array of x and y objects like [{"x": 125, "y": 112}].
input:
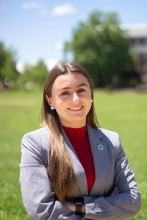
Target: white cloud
[
  {"x": 50, "y": 63},
  {"x": 63, "y": 9},
  {"x": 34, "y": 5}
]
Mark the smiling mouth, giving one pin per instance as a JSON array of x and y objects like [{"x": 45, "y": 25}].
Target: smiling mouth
[{"x": 76, "y": 109}]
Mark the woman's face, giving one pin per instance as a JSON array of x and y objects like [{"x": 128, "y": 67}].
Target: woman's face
[{"x": 71, "y": 98}]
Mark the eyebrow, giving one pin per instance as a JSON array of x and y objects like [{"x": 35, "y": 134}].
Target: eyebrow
[{"x": 64, "y": 88}]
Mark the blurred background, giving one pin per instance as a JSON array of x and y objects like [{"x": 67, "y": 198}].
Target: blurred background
[{"x": 109, "y": 39}]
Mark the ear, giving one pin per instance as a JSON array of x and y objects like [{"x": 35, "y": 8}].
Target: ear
[{"x": 49, "y": 100}]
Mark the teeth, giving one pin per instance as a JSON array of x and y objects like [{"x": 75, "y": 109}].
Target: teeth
[{"x": 75, "y": 108}]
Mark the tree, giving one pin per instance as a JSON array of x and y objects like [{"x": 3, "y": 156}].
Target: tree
[
  {"x": 34, "y": 75},
  {"x": 8, "y": 72},
  {"x": 100, "y": 46}
]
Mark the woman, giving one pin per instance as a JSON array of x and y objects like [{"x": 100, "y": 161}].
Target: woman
[{"x": 71, "y": 168}]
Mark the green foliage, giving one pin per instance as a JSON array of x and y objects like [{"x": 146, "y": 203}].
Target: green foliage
[
  {"x": 8, "y": 72},
  {"x": 100, "y": 47},
  {"x": 33, "y": 75},
  {"x": 124, "y": 112}
]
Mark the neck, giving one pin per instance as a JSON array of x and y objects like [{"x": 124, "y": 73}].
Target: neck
[
  {"x": 73, "y": 125},
  {"x": 74, "y": 133}
]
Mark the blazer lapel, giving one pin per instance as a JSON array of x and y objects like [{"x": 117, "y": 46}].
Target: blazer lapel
[
  {"x": 100, "y": 158},
  {"x": 100, "y": 154},
  {"x": 78, "y": 168}
]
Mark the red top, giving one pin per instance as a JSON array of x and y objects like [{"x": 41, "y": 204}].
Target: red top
[{"x": 80, "y": 141}]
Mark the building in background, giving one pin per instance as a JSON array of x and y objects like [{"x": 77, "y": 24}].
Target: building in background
[{"x": 137, "y": 33}]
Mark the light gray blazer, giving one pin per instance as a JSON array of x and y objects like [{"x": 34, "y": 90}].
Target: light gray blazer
[{"x": 111, "y": 169}]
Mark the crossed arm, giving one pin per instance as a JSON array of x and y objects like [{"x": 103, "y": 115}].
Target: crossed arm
[
  {"x": 71, "y": 206},
  {"x": 38, "y": 195}
]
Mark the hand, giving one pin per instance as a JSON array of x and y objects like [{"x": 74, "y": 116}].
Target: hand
[{"x": 70, "y": 205}]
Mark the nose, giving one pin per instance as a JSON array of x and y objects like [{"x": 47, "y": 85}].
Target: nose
[{"x": 75, "y": 97}]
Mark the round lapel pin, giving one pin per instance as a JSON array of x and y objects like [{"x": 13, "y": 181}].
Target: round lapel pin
[{"x": 100, "y": 147}]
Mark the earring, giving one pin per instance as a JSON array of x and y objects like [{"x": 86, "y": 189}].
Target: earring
[
  {"x": 52, "y": 108},
  {"x": 91, "y": 100}
]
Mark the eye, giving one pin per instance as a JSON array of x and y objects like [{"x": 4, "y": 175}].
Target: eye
[
  {"x": 65, "y": 93},
  {"x": 81, "y": 90}
]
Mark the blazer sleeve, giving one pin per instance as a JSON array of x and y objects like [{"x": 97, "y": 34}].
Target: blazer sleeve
[
  {"x": 37, "y": 193},
  {"x": 123, "y": 206}
]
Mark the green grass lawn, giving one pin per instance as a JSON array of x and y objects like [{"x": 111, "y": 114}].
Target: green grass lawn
[{"x": 124, "y": 112}]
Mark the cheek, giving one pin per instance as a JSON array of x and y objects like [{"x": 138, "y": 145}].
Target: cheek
[
  {"x": 87, "y": 97},
  {"x": 58, "y": 102}
]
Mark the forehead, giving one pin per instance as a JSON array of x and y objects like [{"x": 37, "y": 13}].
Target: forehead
[{"x": 70, "y": 79}]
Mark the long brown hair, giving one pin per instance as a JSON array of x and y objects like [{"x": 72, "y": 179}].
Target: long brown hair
[{"x": 61, "y": 172}]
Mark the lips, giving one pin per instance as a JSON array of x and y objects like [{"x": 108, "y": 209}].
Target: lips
[{"x": 76, "y": 109}]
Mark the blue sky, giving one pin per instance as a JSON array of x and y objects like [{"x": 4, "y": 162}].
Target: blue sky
[{"x": 37, "y": 29}]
